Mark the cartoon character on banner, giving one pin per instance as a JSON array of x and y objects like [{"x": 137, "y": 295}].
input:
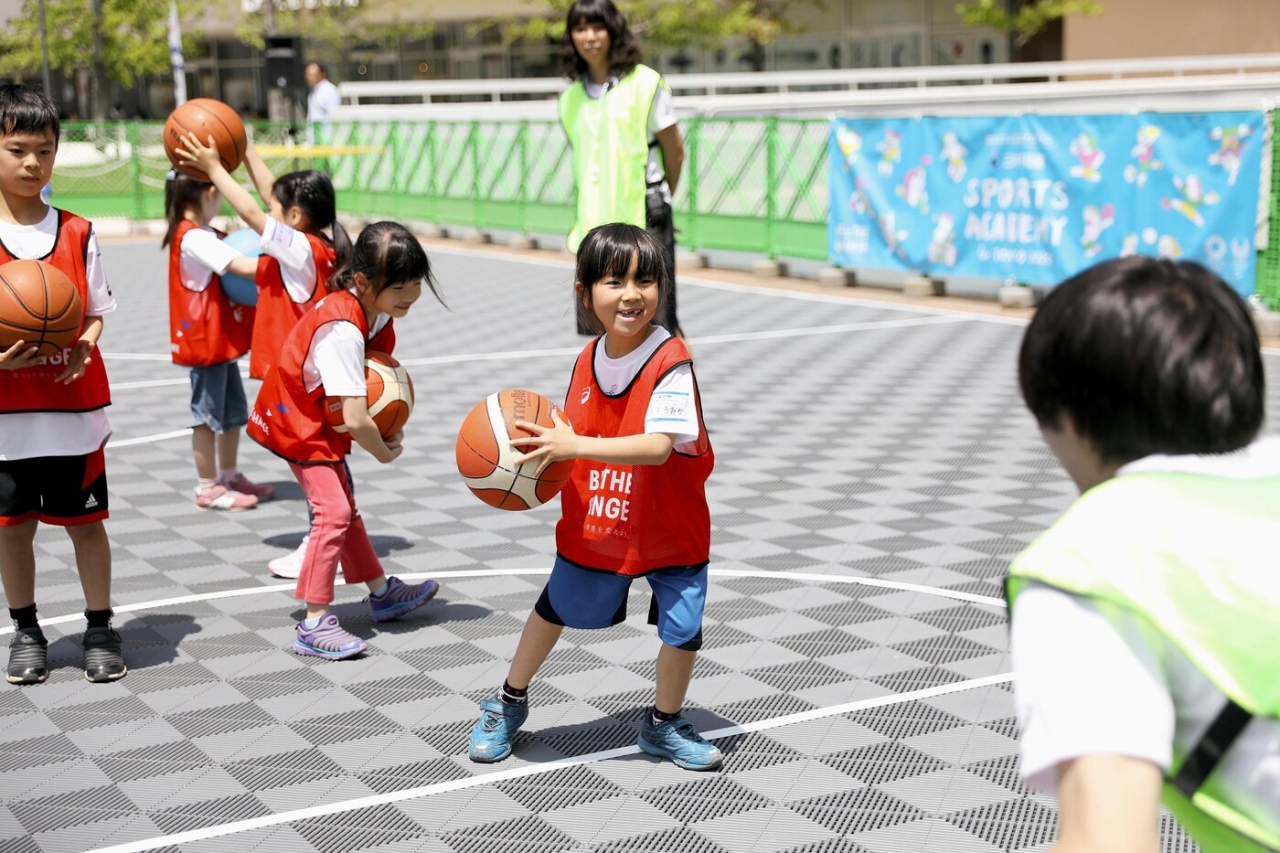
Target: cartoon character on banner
[
  {"x": 1085, "y": 149},
  {"x": 942, "y": 248},
  {"x": 1144, "y": 152},
  {"x": 913, "y": 189},
  {"x": 1193, "y": 198},
  {"x": 1231, "y": 146},
  {"x": 1165, "y": 245},
  {"x": 1095, "y": 222},
  {"x": 1129, "y": 245},
  {"x": 849, "y": 142},
  {"x": 954, "y": 153},
  {"x": 890, "y": 150}
]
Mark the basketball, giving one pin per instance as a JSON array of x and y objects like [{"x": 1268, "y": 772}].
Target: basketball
[
  {"x": 39, "y": 304},
  {"x": 239, "y": 289},
  {"x": 486, "y": 457},
  {"x": 205, "y": 117},
  {"x": 390, "y": 395}
]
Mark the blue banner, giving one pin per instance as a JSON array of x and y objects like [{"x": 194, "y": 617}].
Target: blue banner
[{"x": 1036, "y": 199}]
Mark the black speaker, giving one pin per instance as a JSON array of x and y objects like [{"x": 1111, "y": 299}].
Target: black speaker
[{"x": 284, "y": 62}]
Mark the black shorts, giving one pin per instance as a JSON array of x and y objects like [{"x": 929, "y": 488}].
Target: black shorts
[{"x": 64, "y": 490}]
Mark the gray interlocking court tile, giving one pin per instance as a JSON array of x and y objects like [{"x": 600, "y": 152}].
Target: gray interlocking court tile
[{"x": 866, "y": 454}]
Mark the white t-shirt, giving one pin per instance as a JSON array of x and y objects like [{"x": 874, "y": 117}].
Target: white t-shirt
[
  {"x": 322, "y": 100},
  {"x": 200, "y": 256},
  {"x": 662, "y": 114},
  {"x": 1094, "y": 678},
  {"x": 33, "y": 434},
  {"x": 673, "y": 408},
  {"x": 293, "y": 250},
  {"x": 336, "y": 358}
]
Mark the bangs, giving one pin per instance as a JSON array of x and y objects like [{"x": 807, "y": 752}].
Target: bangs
[{"x": 611, "y": 251}]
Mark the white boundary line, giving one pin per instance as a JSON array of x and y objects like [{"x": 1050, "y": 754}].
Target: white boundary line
[
  {"x": 816, "y": 577},
  {"x": 537, "y": 769},
  {"x": 148, "y": 439}
]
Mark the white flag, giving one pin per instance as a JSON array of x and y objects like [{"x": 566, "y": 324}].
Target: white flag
[{"x": 175, "y": 56}]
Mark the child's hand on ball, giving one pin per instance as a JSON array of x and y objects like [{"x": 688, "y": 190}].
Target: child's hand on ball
[
  {"x": 551, "y": 444},
  {"x": 78, "y": 363},
  {"x": 203, "y": 157},
  {"x": 18, "y": 356}
]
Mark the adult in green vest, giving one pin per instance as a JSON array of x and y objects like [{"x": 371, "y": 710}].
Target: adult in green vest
[
  {"x": 621, "y": 123},
  {"x": 1146, "y": 621}
]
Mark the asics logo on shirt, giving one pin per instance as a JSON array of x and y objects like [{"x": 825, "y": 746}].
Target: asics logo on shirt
[{"x": 586, "y": 392}]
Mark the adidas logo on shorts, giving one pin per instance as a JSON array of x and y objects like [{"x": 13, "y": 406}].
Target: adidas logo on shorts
[{"x": 91, "y": 503}]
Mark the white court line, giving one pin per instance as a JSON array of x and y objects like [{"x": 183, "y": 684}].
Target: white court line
[
  {"x": 148, "y": 439},
  {"x": 538, "y": 769},
  {"x": 154, "y": 604}
]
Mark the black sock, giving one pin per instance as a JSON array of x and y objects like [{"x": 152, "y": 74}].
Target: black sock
[
  {"x": 512, "y": 695},
  {"x": 660, "y": 717},
  {"x": 98, "y": 618},
  {"x": 24, "y": 617}
]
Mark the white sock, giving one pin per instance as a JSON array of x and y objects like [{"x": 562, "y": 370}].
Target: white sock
[{"x": 203, "y": 485}]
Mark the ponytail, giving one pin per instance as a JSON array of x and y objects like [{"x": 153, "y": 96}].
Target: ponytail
[{"x": 181, "y": 193}]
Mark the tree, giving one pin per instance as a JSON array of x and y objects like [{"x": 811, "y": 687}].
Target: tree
[
  {"x": 666, "y": 24},
  {"x": 1023, "y": 18},
  {"x": 116, "y": 40}
]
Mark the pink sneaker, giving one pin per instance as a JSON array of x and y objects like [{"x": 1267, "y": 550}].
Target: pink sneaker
[
  {"x": 290, "y": 565},
  {"x": 240, "y": 483},
  {"x": 223, "y": 499}
]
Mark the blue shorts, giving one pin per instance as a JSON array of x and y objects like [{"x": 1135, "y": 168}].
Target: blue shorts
[
  {"x": 582, "y": 598},
  {"x": 217, "y": 397}
]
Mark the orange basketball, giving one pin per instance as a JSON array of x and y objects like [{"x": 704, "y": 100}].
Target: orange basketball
[
  {"x": 205, "y": 117},
  {"x": 486, "y": 459},
  {"x": 39, "y": 304},
  {"x": 390, "y": 393}
]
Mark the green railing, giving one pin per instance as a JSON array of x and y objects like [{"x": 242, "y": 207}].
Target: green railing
[{"x": 749, "y": 184}]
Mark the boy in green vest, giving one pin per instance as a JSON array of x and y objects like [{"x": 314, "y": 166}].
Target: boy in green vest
[{"x": 1146, "y": 621}]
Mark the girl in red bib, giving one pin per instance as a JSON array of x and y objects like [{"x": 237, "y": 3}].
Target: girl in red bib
[
  {"x": 636, "y": 503},
  {"x": 208, "y": 333},
  {"x": 323, "y": 356}
]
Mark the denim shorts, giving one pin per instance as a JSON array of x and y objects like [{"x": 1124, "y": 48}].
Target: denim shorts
[
  {"x": 217, "y": 397},
  {"x": 582, "y": 598}
]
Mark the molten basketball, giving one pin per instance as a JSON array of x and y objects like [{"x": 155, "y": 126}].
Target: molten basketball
[
  {"x": 390, "y": 395},
  {"x": 39, "y": 304},
  {"x": 205, "y": 117},
  {"x": 486, "y": 459}
]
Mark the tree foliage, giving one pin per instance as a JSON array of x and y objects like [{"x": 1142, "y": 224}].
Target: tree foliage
[
  {"x": 667, "y": 24},
  {"x": 1025, "y": 19},
  {"x": 329, "y": 25},
  {"x": 133, "y": 35}
]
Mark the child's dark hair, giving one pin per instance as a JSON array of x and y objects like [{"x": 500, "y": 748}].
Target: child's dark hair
[
  {"x": 385, "y": 253},
  {"x": 24, "y": 110},
  {"x": 624, "y": 49},
  {"x": 312, "y": 193},
  {"x": 606, "y": 252},
  {"x": 1145, "y": 356},
  {"x": 181, "y": 193}
]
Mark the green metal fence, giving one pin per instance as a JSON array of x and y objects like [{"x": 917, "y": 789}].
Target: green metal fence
[{"x": 749, "y": 184}]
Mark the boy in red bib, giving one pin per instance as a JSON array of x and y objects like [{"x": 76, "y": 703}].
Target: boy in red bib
[{"x": 53, "y": 424}]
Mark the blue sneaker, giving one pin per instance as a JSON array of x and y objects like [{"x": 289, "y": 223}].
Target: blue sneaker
[
  {"x": 679, "y": 741},
  {"x": 398, "y": 598},
  {"x": 491, "y": 736}
]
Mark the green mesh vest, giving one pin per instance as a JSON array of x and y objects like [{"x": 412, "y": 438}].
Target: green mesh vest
[
  {"x": 1199, "y": 557},
  {"x": 610, "y": 140}
]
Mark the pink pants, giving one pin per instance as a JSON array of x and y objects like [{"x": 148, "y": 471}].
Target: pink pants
[{"x": 337, "y": 533}]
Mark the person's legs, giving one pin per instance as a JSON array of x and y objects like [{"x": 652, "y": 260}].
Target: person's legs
[
  {"x": 18, "y": 562},
  {"x": 209, "y": 411},
  {"x": 204, "y": 453},
  {"x": 234, "y": 416},
  {"x": 660, "y": 223}
]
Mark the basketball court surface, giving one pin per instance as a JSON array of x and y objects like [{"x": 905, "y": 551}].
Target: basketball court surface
[{"x": 875, "y": 472}]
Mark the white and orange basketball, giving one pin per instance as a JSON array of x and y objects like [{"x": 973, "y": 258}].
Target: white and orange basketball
[
  {"x": 486, "y": 459},
  {"x": 390, "y": 392}
]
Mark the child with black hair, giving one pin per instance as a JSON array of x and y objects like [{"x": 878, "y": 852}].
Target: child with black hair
[
  {"x": 53, "y": 421},
  {"x": 636, "y": 503},
  {"x": 323, "y": 356},
  {"x": 1146, "y": 621},
  {"x": 209, "y": 333}
]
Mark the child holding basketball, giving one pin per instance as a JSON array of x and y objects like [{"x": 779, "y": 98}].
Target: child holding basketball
[
  {"x": 208, "y": 333},
  {"x": 296, "y": 262},
  {"x": 642, "y": 449},
  {"x": 53, "y": 424},
  {"x": 323, "y": 356},
  {"x": 1147, "y": 383}
]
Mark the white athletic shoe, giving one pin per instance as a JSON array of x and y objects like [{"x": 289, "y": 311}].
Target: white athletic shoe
[{"x": 290, "y": 565}]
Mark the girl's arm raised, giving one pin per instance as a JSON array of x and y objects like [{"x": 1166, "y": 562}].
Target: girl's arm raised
[
  {"x": 258, "y": 171},
  {"x": 205, "y": 158}
]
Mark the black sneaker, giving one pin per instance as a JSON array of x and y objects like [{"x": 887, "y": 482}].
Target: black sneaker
[
  {"x": 102, "y": 658},
  {"x": 28, "y": 657}
]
